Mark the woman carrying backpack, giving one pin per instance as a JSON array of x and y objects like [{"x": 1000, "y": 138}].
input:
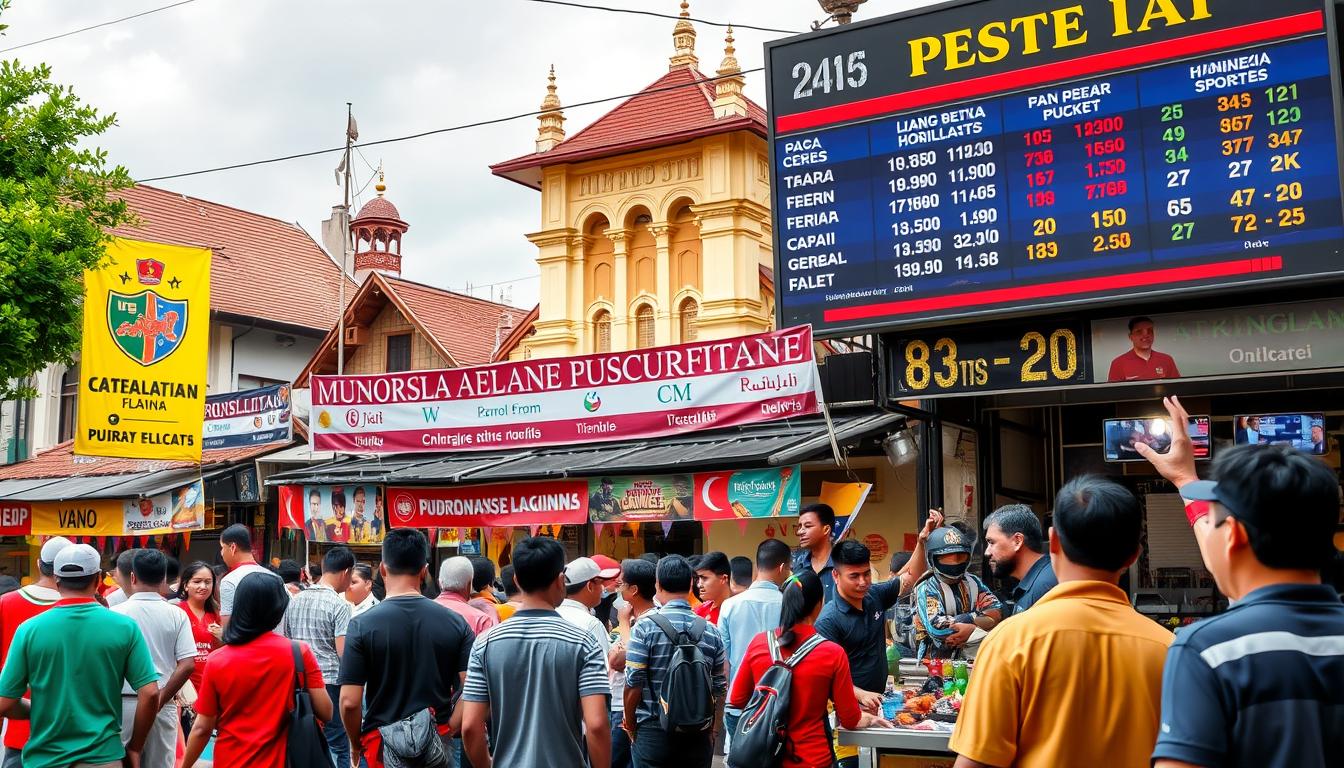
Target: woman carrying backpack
[{"x": 820, "y": 677}]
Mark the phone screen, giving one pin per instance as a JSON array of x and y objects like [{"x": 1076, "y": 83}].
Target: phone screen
[
  {"x": 1121, "y": 435},
  {"x": 1303, "y": 431}
]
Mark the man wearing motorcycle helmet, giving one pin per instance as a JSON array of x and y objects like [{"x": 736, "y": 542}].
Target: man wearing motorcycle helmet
[{"x": 952, "y": 603}]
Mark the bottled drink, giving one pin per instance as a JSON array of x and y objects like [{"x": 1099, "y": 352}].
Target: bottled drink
[
  {"x": 961, "y": 675},
  {"x": 947, "y": 669}
]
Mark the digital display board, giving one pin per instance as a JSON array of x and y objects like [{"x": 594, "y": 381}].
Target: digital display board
[{"x": 1000, "y": 157}]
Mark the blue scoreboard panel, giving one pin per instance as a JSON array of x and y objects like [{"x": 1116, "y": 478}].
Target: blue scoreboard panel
[{"x": 1008, "y": 156}]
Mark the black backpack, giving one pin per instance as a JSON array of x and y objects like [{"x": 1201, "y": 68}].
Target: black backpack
[
  {"x": 307, "y": 746},
  {"x": 687, "y": 695},
  {"x": 759, "y": 738}
]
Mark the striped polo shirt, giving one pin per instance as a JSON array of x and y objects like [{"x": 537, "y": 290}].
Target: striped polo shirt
[{"x": 1261, "y": 685}]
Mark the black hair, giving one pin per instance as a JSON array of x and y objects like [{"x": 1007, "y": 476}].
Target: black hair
[
  {"x": 290, "y": 571},
  {"x": 899, "y": 561},
  {"x": 851, "y": 552},
  {"x": 825, "y": 515},
  {"x": 506, "y": 576},
  {"x": 338, "y": 560},
  {"x": 364, "y": 571},
  {"x": 802, "y": 592},
  {"x": 714, "y": 562},
  {"x": 314, "y": 571},
  {"x": 1287, "y": 501},
  {"x": 1018, "y": 518},
  {"x": 1140, "y": 319},
  {"x": 45, "y": 568},
  {"x": 537, "y": 560},
  {"x": 126, "y": 562},
  {"x": 742, "y": 572},
  {"x": 75, "y": 583},
  {"x": 338, "y": 498},
  {"x": 314, "y": 494},
  {"x": 405, "y": 551},
  {"x": 574, "y": 589},
  {"x": 8, "y": 584},
  {"x": 238, "y": 535},
  {"x": 674, "y": 574},
  {"x": 483, "y": 573},
  {"x": 258, "y": 606},
  {"x": 1098, "y": 522},
  {"x": 772, "y": 553},
  {"x": 650, "y": 557},
  {"x": 211, "y": 602},
  {"x": 150, "y": 567},
  {"x": 174, "y": 569},
  {"x": 642, "y": 575}
]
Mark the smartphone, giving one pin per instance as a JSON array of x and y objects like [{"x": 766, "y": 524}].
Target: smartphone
[
  {"x": 1121, "y": 435},
  {"x": 1303, "y": 431}
]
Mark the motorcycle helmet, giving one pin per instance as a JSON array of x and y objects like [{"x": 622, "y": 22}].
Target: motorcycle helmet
[{"x": 948, "y": 541}]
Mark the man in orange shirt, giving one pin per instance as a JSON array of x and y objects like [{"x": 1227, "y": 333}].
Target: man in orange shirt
[{"x": 1142, "y": 362}]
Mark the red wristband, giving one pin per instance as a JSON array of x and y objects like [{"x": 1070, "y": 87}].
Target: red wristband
[{"x": 1195, "y": 510}]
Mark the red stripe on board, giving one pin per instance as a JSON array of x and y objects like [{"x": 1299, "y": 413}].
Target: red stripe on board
[
  {"x": 1149, "y": 53},
  {"x": 1053, "y": 290}
]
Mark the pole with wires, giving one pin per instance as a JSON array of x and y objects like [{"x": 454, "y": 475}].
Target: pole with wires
[{"x": 351, "y": 133}]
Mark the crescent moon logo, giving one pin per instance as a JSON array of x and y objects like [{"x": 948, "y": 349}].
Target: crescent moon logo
[{"x": 704, "y": 493}]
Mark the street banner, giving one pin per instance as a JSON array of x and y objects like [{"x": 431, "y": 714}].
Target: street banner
[
  {"x": 748, "y": 493},
  {"x": 643, "y": 498},
  {"x": 143, "y": 356},
  {"x": 617, "y": 396},
  {"x": 16, "y": 518},
  {"x": 182, "y": 509},
  {"x": 178, "y": 511},
  {"x": 252, "y": 417},
  {"x": 80, "y": 517},
  {"x": 337, "y": 514},
  {"x": 490, "y": 506}
]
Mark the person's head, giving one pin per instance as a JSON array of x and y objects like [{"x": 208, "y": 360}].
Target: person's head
[
  {"x": 290, "y": 571},
  {"x": 378, "y": 502},
  {"x": 77, "y": 569},
  {"x": 774, "y": 561},
  {"x": 898, "y": 561},
  {"x": 1317, "y": 433},
  {"x": 235, "y": 545},
  {"x": 148, "y": 570},
  {"x": 606, "y": 486},
  {"x": 639, "y": 582},
  {"x": 802, "y": 598},
  {"x": 1141, "y": 334},
  {"x": 853, "y": 569},
  {"x": 948, "y": 552},
  {"x": 8, "y": 584},
  {"x": 712, "y": 574},
  {"x": 338, "y": 504},
  {"x": 815, "y": 525},
  {"x": 336, "y": 565},
  {"x": 46, "y": 558},
  {"x": 583, "y": 581},
  {"x": 315, "y": 504},
  {"x": 405, "y": 557},
  {"x": 311, "y": 573},
  {"x": 259, "y": 603},
  {"x": 539, "y": 569},
  {"x": 122, "y": 572},
  {"x": 359, "y": 497},
  {"x": 1097, "y": 527},
  {"x": 610, "y": 577},
  {"x": 673, "y": 579},
  {"x": 1274, "y": 511},
  {"x": 742, "y": 573},
  {"x": 511, "y": 589},
  {"x": 651, "y": 558},
  {"x": 483, "y": 573},
  {"x": 174, "y": 571},
  {"x": 361, "y": 583},
  {"x": 455, "y": 575},
  {"x": 1012, "y": 536},
  {"x": 197, "y": 586}
]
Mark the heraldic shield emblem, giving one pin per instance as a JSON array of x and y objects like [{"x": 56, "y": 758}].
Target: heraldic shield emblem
[{"x": 146, "y": 326}]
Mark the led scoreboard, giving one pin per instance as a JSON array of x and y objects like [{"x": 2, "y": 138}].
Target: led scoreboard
[{"x": 1005, "y": 156}]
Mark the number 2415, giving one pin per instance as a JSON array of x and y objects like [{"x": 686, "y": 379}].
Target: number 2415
[{"x": 833, "y": 73}]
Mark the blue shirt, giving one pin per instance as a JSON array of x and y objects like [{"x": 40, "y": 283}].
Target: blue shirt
[
  {"x": 745, "y": 616},
  {"x": 650, "y": 652},
  {"x": 803, "y": 560},
  {"x": 860, "y": 633},
  {"x": 1040, "y": 579},
  {"x": 1260, "y": 685}
]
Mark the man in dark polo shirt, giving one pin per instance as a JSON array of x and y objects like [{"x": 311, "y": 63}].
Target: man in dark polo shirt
[
  {"x": 1259, "y": 685},
  {"x": 1142, "y": 362},
  {"x": 1015, "y": 544},
  {"x": 816, "y": 527}
]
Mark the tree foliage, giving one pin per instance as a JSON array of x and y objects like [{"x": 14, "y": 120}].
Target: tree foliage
[{"x": 56, "y": 209}]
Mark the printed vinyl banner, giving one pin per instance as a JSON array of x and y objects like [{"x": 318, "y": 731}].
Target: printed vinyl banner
[
  {"x": 253, "y": 417},
  {"x": 640, "y": 499},
  {"x": 774, "y": 492},
  {"x": 180, "y": 510},
  {"x": 490, "y": 506},
  {"x": 617, "y": 396},
  {"x": 143, "y": 357},
  {"x": 344, "y": 514}
]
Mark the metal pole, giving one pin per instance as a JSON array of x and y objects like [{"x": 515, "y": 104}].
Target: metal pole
[{"x": 345, "y": 248}]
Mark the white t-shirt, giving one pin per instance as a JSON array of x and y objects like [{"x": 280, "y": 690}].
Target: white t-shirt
[
  {"x": 577, "y": 613},
  {"x": 115, "y": 597},
  {"x": 229, "y": 584},
  {"x": 166, "y": 629}
]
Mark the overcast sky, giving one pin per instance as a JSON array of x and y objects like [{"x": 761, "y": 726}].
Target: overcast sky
[{"x": 217, "y": 82}]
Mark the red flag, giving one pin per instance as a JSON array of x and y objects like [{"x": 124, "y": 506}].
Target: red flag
[{"x": 291, "y": 506}]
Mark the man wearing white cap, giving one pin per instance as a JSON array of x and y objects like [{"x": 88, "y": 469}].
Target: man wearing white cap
[
  {"x": 583, "y": 591},
  {"x": 74, "y": 658},
  {"x": 15, "y": 608}
]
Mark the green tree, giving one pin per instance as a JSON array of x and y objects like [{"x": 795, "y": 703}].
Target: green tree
[{"x": 56, "y": 208}]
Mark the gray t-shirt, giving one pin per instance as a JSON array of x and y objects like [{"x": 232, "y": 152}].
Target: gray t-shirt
[{"x": 532, "y": 670}]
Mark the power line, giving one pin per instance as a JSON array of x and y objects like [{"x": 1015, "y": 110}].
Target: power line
[
  {"x": 436, "y": 131},
  {"x": 655, "y": 14},
  {"x": 95, "y": 26}
]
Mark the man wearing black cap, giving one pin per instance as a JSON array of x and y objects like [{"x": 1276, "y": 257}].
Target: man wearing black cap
[{"x": 1260, "y": 684}]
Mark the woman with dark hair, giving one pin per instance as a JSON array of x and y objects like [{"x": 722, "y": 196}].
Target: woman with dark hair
[
  {"x": 248, "y": 689},
  {"x": 360, "y": 593},
  {"x": 199, "y": 597},
  {"x": 822, "y": 676}
]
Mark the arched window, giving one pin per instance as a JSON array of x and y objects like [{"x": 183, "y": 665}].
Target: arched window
[
  {"x": 644, "y": 326},
  {"x": 690, "y": 312},
  {"x": 602, "y": 331}
]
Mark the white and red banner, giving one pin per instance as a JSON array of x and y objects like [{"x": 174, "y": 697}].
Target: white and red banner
[
  {"x": 592, "y": 398},
  {"x": 491, "y": 506}
]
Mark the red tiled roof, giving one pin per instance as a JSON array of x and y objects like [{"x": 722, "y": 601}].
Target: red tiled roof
[
  {"x": 262, "y": 267},
  {"x": 520, "y": 331},
  {"x": 677, "y": 107},
  {"x": 60, "y": 461}
]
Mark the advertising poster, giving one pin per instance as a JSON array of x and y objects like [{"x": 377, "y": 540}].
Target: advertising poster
[
  {"x": 143, "y": 355},
  {"x": 253, "y": 417},
  {"x": 641, "y": 498},
  {"x": 490, "y": 506},
  {"x": 85, "y": 517},
  {"x": 344, "y": 514},
  {"x": 182, "y": 509},
  {"x": 773, "y": 492}
]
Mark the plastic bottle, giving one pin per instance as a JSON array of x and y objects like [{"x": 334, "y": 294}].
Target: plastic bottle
[
  {"x": 947, "y": 669},
  {"x": 961, "y": 674}
]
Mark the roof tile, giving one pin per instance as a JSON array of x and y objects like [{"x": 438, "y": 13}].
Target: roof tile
[
  {"x": 61, "y": 461},
  {"x": 463, "y": 325}
]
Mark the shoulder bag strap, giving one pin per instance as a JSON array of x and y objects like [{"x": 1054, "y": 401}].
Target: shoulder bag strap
[
  {"x": 772, "y": 643},
  {"x": 697, "y": 629},
  {"x": 804, "y": 649},
  {"x": 665, "y": 625},
  {"x": 298, "y": 666}
]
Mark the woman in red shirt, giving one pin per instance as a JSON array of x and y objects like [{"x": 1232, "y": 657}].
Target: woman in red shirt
[
  {"x": 200, "y": 599},
  {"x": 248, "y": 689},
  {"x": 821, "y": 677}
]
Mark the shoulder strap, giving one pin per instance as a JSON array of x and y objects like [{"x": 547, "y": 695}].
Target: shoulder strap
[
  {"x": 298, "y": 665},
  {"x": 665, "y": 625},
  {"x": 804, "y": 649},
  {"x": 772, "y": 643},
  {"x": 697, "y": 629}
]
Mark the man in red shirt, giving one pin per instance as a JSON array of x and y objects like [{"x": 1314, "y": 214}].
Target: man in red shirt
[
  {"x": 1142, "y": 362},
  {"x": 713, "y": 573},
  {"x": 15, "y": 608}
]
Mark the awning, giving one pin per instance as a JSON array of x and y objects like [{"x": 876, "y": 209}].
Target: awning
[
  {"x": 126, "y": 486},
  {"x": 298, "y": 454},
  {"x": 773, "y": 444}
]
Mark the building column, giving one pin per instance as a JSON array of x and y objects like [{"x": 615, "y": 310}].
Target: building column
[
  {"x": 622, "y": 323},
  {"x": 662, "y": 323},
  {"x": 731, "y": 243},
  {"x": 555, "y": 335}
]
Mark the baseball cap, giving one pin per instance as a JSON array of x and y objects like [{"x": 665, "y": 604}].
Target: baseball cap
[
  {"x": 581, "y": 570},
  {"x": 78, "y": 560},
  {"x": 610, "y": 568},
  {"x": 52, "y": 548}
]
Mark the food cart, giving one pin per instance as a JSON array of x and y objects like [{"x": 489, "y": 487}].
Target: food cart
[{"x": 903, "y": 748}]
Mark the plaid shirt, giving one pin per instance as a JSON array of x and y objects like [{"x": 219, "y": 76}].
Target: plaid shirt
[
  {"x": 650, "y": 654},
  {"x": 317, "y": 616}
]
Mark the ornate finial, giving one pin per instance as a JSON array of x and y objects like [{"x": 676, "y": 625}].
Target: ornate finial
[
  {"x": 552, "y": 100},
  {"x": 685, "y": 9},
  {"x": 683, "y": 37},
  {"x": 729, "y": 66},
  {"x": 380, "y": 187},
  {"x": 551, "y": 128}
]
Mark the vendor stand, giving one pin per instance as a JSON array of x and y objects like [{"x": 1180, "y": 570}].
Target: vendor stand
[{"x": 903, "y": 748}]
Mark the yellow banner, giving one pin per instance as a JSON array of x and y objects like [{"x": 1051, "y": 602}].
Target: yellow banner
[
  {"x": 87, "y": 517},
  {"x": 143, "y": 364}
]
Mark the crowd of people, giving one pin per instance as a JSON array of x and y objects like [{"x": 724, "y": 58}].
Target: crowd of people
[{"x": 667, "y": 661}]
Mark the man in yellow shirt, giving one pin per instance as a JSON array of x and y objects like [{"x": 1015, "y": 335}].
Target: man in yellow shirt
[{"x": 1077, "y": 680}]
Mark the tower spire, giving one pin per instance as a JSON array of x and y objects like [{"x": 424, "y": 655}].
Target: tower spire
[
  {"x": 551, "y": 130},
  {"x": 729, "y": 100},
  {"x": 683, "y": 38}
]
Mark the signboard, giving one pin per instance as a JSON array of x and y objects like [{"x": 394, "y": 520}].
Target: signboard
[
  {"x": 748, "y": 493},
  {"x": 594, "y": 398},
  {"x": 143, "y": 357},
  {"x": 251, "y": 417},
  {"x": 1005, "y": 156},
  {"x": 343, "y": 514},
  {"x": 16, "y": 518},
  {"x": 1004, "y": 357},
  {"x": 179, "y": 510},
  {"x": 641, "y": 498},
  {"x": 490, "y": 506}
]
